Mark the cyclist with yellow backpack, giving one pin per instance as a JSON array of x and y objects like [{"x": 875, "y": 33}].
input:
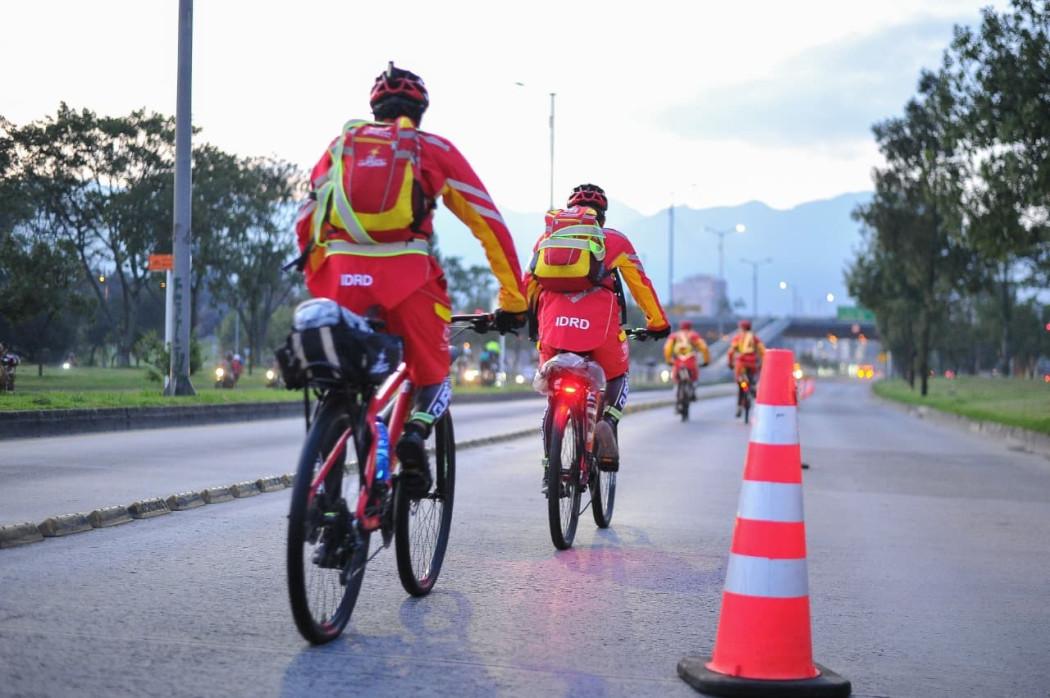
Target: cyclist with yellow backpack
[
  {"x": 365, "y": 234},
  {"x": 573, "y": 288}
]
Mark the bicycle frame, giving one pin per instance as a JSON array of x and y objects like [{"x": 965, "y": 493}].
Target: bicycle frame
[
  {"x": 392, "y": 400},
  {"x": 568, "y": 393}
]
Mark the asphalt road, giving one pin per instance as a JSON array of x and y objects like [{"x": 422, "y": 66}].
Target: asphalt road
[
  {"x": 42, "y": 477},
  {"x": 927, "y": 565}
]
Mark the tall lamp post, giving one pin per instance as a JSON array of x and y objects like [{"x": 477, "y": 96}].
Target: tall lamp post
[
  {"x": 755, "y": 264},
  {"x": 179, "y": 368},
  {"x": 738, "y": 228},
  {"x": 784, "y": 285},
  {"x": 550, "y": 123}
]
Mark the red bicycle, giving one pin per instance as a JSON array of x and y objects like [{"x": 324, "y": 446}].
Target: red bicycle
[
  {"x": 575, "y": 387},
  {"x": 347, "y": 488}
]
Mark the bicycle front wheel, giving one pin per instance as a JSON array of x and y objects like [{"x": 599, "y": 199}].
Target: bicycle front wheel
[
  {"x": 563, "y": 474},
  {"x": 421, "y": 526},
  {"x": 603, "y": 494},
  {"x": 326, "y": 554}
]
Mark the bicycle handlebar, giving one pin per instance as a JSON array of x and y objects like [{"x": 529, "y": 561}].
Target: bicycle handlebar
[
  {"x": 486, "y": 322},
  {"x": 479, "y": 322}
]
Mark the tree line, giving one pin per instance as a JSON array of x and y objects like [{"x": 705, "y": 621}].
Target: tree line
[
  {"x": 85, "y": 199},
  {"x": 956, "y": 239}
]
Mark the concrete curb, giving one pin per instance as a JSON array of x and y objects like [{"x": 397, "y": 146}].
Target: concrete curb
[
  {"x": 109, "y": 516},
  {"x": 184, "y": 501},
  {"x": 19, "y": 534},
  {"x": 64, "y": 525},
  {"x": 248, "y": 488},
  {"x": 148, "y": 508},
  {"x": 23, "y": 533},
  {"x": 216, "y": 495},
  {"x": 1015, "y": 438}
]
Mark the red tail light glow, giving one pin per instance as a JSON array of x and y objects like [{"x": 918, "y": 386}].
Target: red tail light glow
[{"x": 569, "y": 389}]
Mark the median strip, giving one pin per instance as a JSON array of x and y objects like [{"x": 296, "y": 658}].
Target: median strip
[{"x": 12, "y": 535}]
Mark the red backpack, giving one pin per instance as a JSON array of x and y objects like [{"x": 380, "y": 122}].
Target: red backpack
[
  {"x": 372, "y": 186},
  {"x": 570, "y": 256}
]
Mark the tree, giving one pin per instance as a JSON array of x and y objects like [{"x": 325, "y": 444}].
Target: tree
[
  {"x": 38, "y": 294},
  {"x": 256, "y": 247},
  {"x": 104, "y": 185}
]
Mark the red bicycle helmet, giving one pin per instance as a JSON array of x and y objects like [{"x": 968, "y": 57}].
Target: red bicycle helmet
[
  {"x": 403, "y": 84},
  {"x": 745, "y": 324},
  {"x": 685, "y": 325},
  {"x": 589, "y": 195}
]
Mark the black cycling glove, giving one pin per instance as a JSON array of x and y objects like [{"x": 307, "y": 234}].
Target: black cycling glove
[
  {"x": 508, "y": 322},
  {"x": 659, "y": 334}
]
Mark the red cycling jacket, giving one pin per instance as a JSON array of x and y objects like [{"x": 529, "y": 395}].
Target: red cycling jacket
[
  {"x": 445, "y": 174},
  {"x": 582, "y": 321}
]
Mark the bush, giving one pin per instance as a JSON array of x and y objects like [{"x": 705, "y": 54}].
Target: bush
[{"x": 151, "y": 350}]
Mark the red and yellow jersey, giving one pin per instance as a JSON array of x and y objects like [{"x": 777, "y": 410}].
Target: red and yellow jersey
[
  {"x": 619, "y": 255},
  {"x": 685, "y": 343},
  {"x": 746, "y": 348},
  {"x": 445, "y": 174}
]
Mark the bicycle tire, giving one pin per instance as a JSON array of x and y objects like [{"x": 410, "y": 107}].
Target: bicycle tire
[
  {"x": 683, "y": 401},
  {"x": 563, "y": 475},
  {"x": 322, "y": 599},
  {"x": 747, "y": 408},
  {"x": 419, "y": 557},
  {"x": 603, "y": 494}
]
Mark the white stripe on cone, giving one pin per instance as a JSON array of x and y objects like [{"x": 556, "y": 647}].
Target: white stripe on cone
[
  {"x": 770, "y": 501},
  {"x": 767, "y": 577},
  {"x": 775, "y": 425}
]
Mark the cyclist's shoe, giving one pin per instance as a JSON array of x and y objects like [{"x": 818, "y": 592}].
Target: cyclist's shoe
[
  {"x": 738, "y": 411},
  {"x": 692, "y": 392},
  {"x": 412, "y": 452},
  {"x": 543, "y": 488},
  {"x": 608, "y": 451}
]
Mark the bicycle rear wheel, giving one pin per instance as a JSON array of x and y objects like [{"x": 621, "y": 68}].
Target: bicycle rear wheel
[
  {"x": 326, "y": 554},
  {"x": 683, "y": 400},
  {"x": 421, "y": 526},
  {"x": 563, "y": 474}
]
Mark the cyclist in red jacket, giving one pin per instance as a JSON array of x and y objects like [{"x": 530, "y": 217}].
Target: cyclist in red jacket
[
  {"x": 357, "y": 259},
  {"x": 588, "y": 320}
]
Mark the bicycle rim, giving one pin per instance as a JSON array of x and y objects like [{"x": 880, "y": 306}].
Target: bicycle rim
[
  {"x": 603, "y": 495},
  {"x": 422, "y": 525},
  {"x": 325, "y": 557},
  {"x": 563, "y": 476}
]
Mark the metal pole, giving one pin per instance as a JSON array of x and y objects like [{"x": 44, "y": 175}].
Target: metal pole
[
  {"x": 236, "y": 332},
  {"x": 179, "y": 372},
  {"x": 670, "y": 257},
  {"x": 552, "y": 150},
  {"x": 169, "y": 318}
]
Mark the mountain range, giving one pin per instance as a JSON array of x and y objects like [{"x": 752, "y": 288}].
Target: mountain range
[{"x": 808, "y": 246}]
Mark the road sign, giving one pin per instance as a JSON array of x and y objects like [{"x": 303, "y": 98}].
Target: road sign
[
  {"x": 855, "y": 313},
  {"x": 160, "y": 262}
]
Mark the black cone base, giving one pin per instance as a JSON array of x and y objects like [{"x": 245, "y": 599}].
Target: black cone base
[{"x": 694, "y": 673}]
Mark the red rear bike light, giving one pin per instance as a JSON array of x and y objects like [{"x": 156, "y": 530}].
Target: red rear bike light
[{"x": 569, "y": 389}]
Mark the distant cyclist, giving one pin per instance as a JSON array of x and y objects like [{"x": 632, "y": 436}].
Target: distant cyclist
[
  {"x": 365, "y": 235},
  {"x": 745, "y": 355},
  {"x": 572, "y": 286},
  {"x": 682, "y": 347}
]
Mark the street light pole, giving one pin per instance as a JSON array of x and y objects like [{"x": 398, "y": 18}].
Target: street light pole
[
  {"x": 179, "y": 368},
  {"x": 755, "y": 264},
  {"x": 670, "y": 255},
  {"x": 552, "y": 150},
  {"x": 738, "y": 228}
]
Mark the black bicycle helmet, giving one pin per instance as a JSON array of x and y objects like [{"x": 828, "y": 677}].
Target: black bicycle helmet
[
  {"x": 399, "y": 92},
  {"x": 590, "y": 195}
]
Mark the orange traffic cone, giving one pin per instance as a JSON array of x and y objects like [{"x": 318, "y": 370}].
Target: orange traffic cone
[{"x": 763, "y": 646}]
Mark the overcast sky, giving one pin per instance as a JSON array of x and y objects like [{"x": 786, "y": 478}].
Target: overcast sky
[{"x": 700, "y": 103}]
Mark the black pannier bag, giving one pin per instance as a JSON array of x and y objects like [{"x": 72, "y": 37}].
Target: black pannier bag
[{"x": 329, "y": 344}]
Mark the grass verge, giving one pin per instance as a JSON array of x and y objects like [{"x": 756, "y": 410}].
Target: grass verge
[{"x": 1012, "y": 401}]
